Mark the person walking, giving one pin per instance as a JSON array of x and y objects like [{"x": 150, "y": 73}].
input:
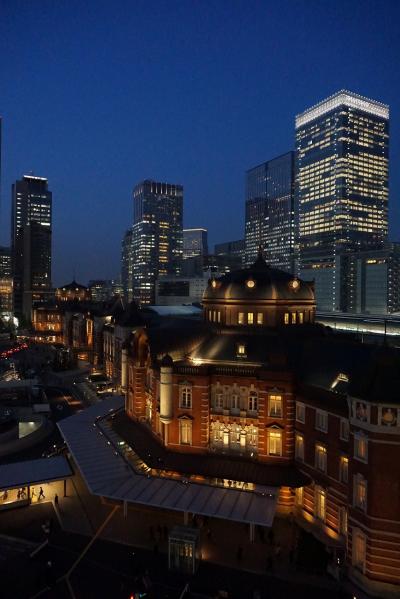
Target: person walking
[
  {"x": 56, "y": 499},
  {"x": 41, "y": 494}
]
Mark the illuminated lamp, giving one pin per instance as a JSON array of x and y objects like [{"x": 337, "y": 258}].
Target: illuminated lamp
[
  {"x": 250, "y": 283},
  {"x": 294, "y": 284}
]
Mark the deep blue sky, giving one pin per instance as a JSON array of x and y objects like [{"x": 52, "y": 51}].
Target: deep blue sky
[{"x": 97, "y": 95}]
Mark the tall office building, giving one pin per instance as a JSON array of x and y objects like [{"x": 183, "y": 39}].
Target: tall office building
[
  {"x": 230, "y": 248},
  {"x": 342, "y": 171},
  {"x": 127, "y": 266},
  {"x": 6, "y": 282},
  {"x": 195, "y": 242},
  {"x": 270, "y": 212},
  {"x": 157, "y": 244},
  {"x": 31, "y": 222}
]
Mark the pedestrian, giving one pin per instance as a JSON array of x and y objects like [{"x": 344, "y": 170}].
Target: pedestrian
[
  {"x": 56, "y": 499},
  {"x": 19, "y": 494},
  {"x": 33, "y": 494},
  {"x": 41, "y": 494}
]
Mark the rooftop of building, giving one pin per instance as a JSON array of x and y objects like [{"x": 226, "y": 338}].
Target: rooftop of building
[
  {"x": 258, "y": 283},
  {"x": 340, "y": 98}
]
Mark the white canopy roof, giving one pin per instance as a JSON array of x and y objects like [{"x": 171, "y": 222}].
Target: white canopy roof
[
  {"x": 108, "y": 474},
  {"x": 20, "y": 474}
]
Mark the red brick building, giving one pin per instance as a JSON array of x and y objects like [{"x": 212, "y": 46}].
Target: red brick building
[{"x": 266, "y": 395}]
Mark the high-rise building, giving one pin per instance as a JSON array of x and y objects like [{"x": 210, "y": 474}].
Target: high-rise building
[
  {"x": 6, "y": 282},
  {"x": 230, "y": 248},
  {"x": 342, "y": 170},
  {"x": 127, "y": 266},
  {"x": 195, "y": 242},
  {"x": 157, "y": 244},
  {"x": 270, "y": 212},
  {"x": 31, "y": 223}
]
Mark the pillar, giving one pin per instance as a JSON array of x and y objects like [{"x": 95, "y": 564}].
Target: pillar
[
  {"x": 166, "y": 399},
  {"x": 124, "y": 369}
]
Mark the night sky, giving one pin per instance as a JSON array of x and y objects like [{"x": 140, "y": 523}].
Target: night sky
[{"x": 98, "y": 95}]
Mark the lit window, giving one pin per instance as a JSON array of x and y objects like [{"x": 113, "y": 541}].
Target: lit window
[
  {"x": 319, "y": 503},
  {"x": 320, "y": 457},
  {"x": 241, "y": 350},
  {"x": 250, "y": 318},
  {"x": 253, "y": 401},
  {"x": 344, "y": 429},
  {"x": 299, "y": 447},
  {"x": 343, "y": 520},
  {"x": 293, "y": 317},
  {"x": 185, "y": 432},
  {"x": 286, "y": 318},
  {"x": 185, "y": 397},
  {"x": 299, "y": 496},
  {"x": 274, "y": 442},
  {"x": 301, "y": 317},
  {"x": 321, "y": 421},
  {"x": 300, "y": 412},
  {"x": 344, "y": 469},
  {"x": 361, "y": 447},
  {"x": 275, "y": 406},
  {"x": 360, "y": 492},
  {"x": 260, "y": 318},
  {"x": 359, "y": 550},
  {"x": 241, "y": 318}
]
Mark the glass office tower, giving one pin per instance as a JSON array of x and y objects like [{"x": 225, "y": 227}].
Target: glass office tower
[
  {"x": 195, "y": 242},
  {"x": 342, "y": 147},
  {"x": 157, "y": 244},
  {"x": 270, "y": 212},
  {"x": 31, "y": 229}
]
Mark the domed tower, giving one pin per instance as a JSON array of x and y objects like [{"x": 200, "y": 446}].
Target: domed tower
[{"x": 259, "y": 296}]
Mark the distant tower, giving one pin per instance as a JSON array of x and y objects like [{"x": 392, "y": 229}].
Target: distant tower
[
  {"x": 270, "y": 212},
  {"x": 31, "y": 229},
  {"x": 195, "y": 242},
  {"x": 156, "y": 235}
]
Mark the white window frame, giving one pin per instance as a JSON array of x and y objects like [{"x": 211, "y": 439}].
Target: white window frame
[
  {"x": 343, "y": 520},
  {"x": 360, "y": 482},
  {"x": 300, "y": 412},
  {"x": 320, "y": 506},
  {"x": 321, "y": 457},
  {"x": 344, "y": 429},
  {"x": 344, "y": 469},
  {"x": 278, "y": 444},
  {"x": 235, "y": 401},
  {"x": 357, "y": 438},
  {"x": 219, "y": 398},
  {"x": 185, "y": 396},
  {"x": 275, "y": 399},
  {"x": 253, "y": 401},
  {"x": 187, "y": 435},
  {"x": 359, "y": 554},
  {"x": 299, "y": 447},
  {"x": 321, "y": 415}
]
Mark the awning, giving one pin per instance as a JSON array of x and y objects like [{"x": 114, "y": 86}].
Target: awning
[
  {"x": 21, "y": 474},
  {"x": 107, "y": 474}
]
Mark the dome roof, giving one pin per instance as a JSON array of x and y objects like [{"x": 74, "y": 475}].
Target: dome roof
[{"x": 257, "y": 283}]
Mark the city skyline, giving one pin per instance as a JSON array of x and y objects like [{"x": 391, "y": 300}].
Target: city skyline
[{"x": 85, "y": 171}]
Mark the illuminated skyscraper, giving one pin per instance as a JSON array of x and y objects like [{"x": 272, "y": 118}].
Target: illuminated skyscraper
[
  {"x": 195, "y": 242},
  {"x": 127, "y": 266},
  {"x": 342, "y": 147},
  {"x": 270, "y": 212},
  {"x": 31, "y": 222},
  {"x": 157, "y": 244}
]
